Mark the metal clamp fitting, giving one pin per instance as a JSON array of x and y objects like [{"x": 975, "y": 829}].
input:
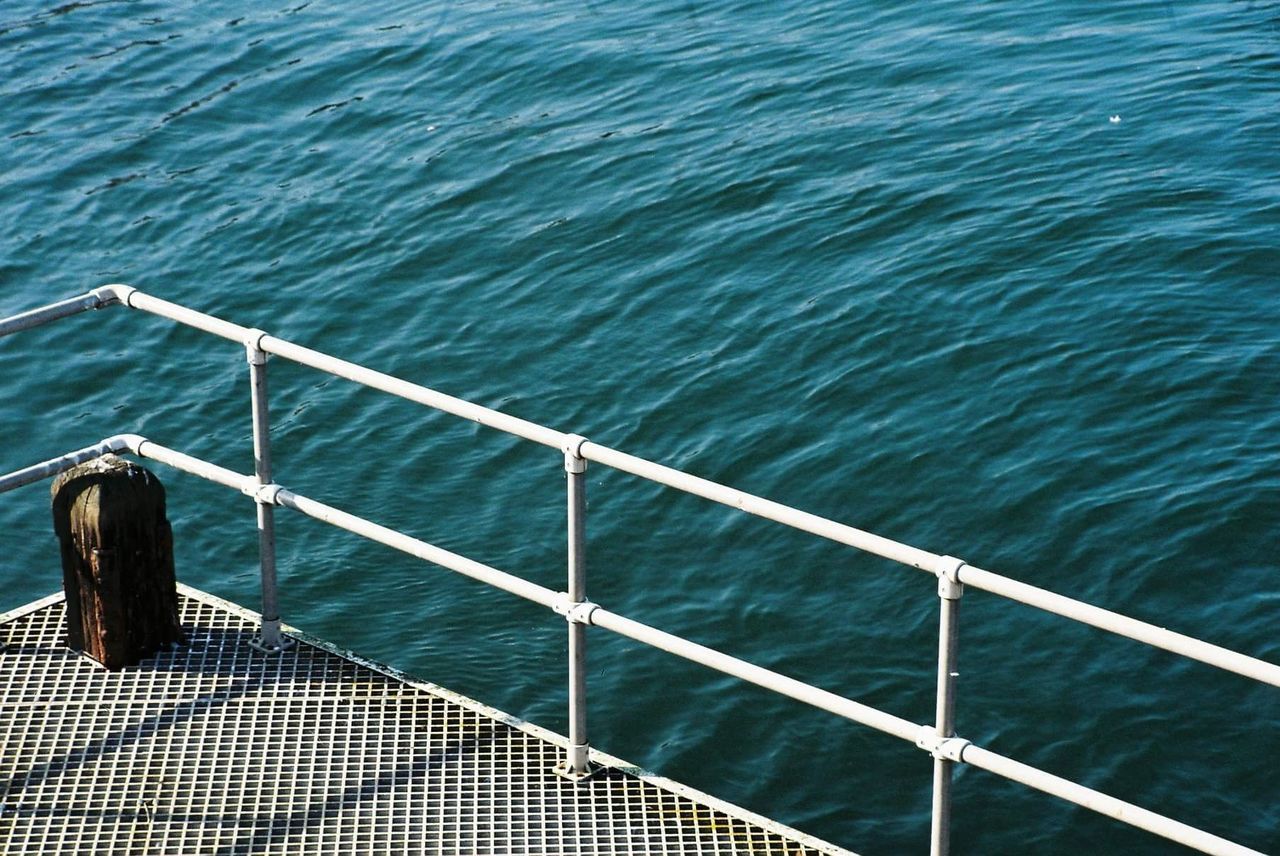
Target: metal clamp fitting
[
  {"x": 942, "y": 748},
  {"x": 574, "y": 612},
  {"x": 110, "y": 295},
  {"x": 104, "y": 297},
  {"x": 131, "y": 443},
  {"x": 253, "y": 347},
  {"x": 949, "y": 585},
  {"x": 572, "y": 448},
  {"x": 265, "y": 494}
]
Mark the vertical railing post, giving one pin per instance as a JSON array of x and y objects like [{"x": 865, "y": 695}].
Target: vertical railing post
[
  {"x": 576, "y": 764},
  {"x": 269, "y": 638},
  {"x": 950, "y": 590}
]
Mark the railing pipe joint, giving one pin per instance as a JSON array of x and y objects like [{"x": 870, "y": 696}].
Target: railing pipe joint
[
  {"x": 263, "y": 494},
  {"x": 575, "y": 612},
  {"x": 104, "y": 297},
  {"x": 110, "y": 295},
  {"x": 572, "y": 448},
  {"x": 949, "y": 589},
  {"x": 131, "y": 443},
  {"x": 948, "y": 572},
  {"x": 942, "y": 748},
  {"x": 253, "y": 347}
]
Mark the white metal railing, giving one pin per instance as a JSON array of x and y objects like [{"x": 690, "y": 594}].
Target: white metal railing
[{"x": 953, "y": 575}]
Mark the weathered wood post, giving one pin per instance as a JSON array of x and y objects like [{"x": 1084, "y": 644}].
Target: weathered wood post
[{"x": 117, "y": 561}]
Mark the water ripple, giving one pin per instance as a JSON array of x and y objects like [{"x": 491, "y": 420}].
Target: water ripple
[{"x": 998, "y": 281}]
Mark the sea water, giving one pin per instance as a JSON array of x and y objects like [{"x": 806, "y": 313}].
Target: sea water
[{"x": 997, "y": 280}]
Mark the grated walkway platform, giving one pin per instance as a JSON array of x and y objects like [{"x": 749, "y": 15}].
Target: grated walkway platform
[{"x": 216, "y": 748}]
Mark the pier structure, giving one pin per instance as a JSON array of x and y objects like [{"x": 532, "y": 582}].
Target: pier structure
[
  {"x": 576, "y": 764},
  {"x": 217, "y": 747}
]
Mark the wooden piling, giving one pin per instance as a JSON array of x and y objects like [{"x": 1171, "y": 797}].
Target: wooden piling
[{"x": 117, "y": 561}]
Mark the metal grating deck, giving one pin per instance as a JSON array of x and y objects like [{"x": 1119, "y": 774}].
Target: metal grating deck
[{"x": 216, "y": 748}]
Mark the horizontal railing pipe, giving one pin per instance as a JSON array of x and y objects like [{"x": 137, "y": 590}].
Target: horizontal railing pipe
[
  {"x": 278, "y": 495},
  {"x": 133, "y": 444},
  {"x": 766, "y": 508},
  {"x": 1132, "y": 628},
  {"x": 790, "y": 687},
  {"x": 421, "y": 549},
  {"x": 135, "y": 299},
  {"x": 53, "y": 466},
  {"x": 188, "y": 464},
  {"x": 1101, "y": 803},
  {"x": 54, "y": 311},
  {"x": 414, "y": 392},
  {"x": 695, "y": 485}
]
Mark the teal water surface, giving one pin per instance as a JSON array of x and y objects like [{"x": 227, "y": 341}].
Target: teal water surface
[{"x": 997, "y": 280}]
